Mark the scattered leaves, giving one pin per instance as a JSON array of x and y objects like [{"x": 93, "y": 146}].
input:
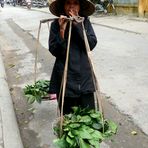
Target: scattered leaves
[
  {"x": 26, "y": 122},
  {"x": 11, "y": 65},
  {"x": 134, "y": 133},
  {"x": 17, "y": 76}
]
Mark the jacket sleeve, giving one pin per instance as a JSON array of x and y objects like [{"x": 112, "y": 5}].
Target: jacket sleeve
[
  {"x": 89, "y": 32},
  {"x": 57, "y": 45}
]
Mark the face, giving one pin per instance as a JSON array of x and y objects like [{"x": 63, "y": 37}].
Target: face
[{"x": 72, "y": 7}]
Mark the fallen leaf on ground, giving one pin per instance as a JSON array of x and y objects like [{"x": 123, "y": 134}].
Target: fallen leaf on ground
[
  {"x": 11, "y": 65},
  {"x": 134, "y": 133}
]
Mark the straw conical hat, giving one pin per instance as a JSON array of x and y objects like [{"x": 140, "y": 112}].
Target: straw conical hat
[{"x": 87, "y": 8}]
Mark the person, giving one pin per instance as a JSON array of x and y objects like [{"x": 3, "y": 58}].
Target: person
[
  {"x": 79, "y": 87},
  {"x": 100, "y": 6},
  {"x": 28, "y": 3},
  {"x": 2, "y": 3},
  {"x": 111, "y": 3}
]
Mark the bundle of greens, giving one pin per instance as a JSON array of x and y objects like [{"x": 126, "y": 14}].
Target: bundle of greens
[
  {"x": 83, "y": 128},
  {"x": 36, "y": 91}
]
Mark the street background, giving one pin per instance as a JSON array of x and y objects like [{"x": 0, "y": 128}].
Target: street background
[{"x": 120, "y": 60}]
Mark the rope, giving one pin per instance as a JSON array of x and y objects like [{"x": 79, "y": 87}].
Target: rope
[
  {"x": 37, "y": 45},
  {"x": 96, "y": 84},
  {"x": 36, "y": 53},
  {"x": 65, "y": 78}
]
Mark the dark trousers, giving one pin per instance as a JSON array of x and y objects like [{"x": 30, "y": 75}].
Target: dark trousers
[{"x": 85, "y": 100}]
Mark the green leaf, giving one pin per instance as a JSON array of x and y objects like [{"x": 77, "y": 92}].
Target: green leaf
[
  {"x": 70, "y": 141},
  {"x": 60, "y": 143},
  {"x": 84, "y": 134},
  {"x": 97, "y": 135},
  {"x": 70, "y": 134},
  {"x": 83, "y": 144},
  {"x": 11, "y": 65},
  {"x": 75, "y": 109},
  {"x": 38, "y": 99},
  {"x": 134, "y": 133},
  {"x": 74, "y": 125},
  {"x": 94, "y": 143},
  {"x": 85, "y": 119},
  {"x": 30, "y": 99},
  {"x": 88, "y": 128},
  {"x": 107, "y": 134},
  {"x": 97, "y": 126},
  {"x": 78, "y": 117},
  {"x": 112, "y": 126},
  {"x": 96, "y": 115},
  {"x": 66, "y": 129}
]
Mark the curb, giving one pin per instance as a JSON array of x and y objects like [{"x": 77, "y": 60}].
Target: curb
[
  {"x": 120, "y": 29},
  {"x": 10, "y": 137},
  {"x": 93, "y": 21}
]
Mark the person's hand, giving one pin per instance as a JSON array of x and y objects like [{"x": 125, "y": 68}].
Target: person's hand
[
  {"x": 53, "y": 96},
  {"x": 62, "y": 23},
  {"x": 73, "y": 12}
]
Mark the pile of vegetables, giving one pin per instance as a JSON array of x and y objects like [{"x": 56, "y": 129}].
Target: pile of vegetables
[
  {"x": 84, "y": 128},
  {"x": 37, "y": 91}
]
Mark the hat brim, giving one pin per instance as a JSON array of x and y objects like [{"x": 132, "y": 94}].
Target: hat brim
[{"x": 87, "y": 8}]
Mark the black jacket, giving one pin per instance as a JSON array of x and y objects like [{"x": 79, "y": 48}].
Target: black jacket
[{"x": 79, "y": 79}]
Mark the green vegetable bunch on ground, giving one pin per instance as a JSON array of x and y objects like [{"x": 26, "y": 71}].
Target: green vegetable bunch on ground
[
  {"x": 36, "y": 91},
  {"x": 83, "y": 128}
]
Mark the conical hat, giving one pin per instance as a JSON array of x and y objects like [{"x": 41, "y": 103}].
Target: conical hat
[{"x": 87, "y": 8}]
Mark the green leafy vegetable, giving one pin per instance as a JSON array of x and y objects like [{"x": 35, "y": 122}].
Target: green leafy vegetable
[
  {"x": 84, "y": 128},
  {"x": 36, "y": 91}
]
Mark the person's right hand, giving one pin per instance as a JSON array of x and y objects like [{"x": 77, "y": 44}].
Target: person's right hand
[{"x": 73, "y": 13}]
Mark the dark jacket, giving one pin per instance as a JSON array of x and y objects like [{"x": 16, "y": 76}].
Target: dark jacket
[{"x": 79, "y": 79}]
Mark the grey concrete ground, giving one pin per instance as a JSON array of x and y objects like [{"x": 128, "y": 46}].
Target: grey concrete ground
[
  {"x": 121, "y": 63},
  {"x": 9, "y": 133},
  {"x": 131, "y": 85},
  {"x": 125, "y": 80}
]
